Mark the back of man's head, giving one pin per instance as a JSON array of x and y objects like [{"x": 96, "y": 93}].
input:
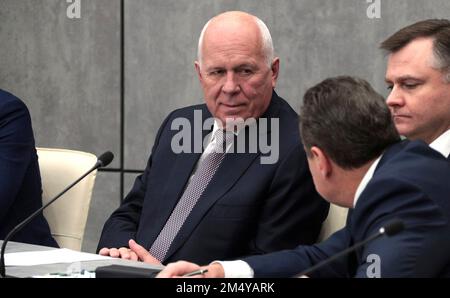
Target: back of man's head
[
  {"x": 437, "y": 29},
  {"x": 348, "y": 120}
]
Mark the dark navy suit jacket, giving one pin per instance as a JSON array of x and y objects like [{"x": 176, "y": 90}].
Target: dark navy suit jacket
[
  {"x": 411, "y": 183},
  {"x": 20, "y": 180},
  {"x": 248, "y": 207}
]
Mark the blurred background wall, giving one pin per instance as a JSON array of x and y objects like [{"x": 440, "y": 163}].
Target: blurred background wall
[{"x": 106, "y": 80}]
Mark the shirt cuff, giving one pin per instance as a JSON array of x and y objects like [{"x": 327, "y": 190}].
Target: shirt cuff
[{"x": 236, "y": 269}]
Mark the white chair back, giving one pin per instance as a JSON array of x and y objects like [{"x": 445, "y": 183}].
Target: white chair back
[{"x": 337, "y": 216}]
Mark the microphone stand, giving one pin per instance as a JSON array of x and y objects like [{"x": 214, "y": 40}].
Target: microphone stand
[
  {"x": 390, "y": 229},
  {"x": 103, "y": 160},
  {"x": 337, "y": 256}
]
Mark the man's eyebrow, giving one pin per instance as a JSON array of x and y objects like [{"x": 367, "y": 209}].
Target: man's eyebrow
[
  {"x": 404, "y": 78},
  {"x": 213, "y": 68},
  {"x": 243, "y": 65},
  {"x": 250, "y": 66}
]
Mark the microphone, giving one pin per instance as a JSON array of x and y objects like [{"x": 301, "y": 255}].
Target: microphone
[
  {"x": 104, "y": 160},
  {"x": 390, "y": 229}
]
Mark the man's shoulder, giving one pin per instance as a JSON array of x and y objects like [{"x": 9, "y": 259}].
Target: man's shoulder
[
  {"x": 412, "y": 176},
  {"x": 10, "y": 104},
  {"x": 289, "y": 132},
  {"x": 419, "y": 147},
  {"x": 416, "y": 156},
  {"x": 280, "y": 108},
  {"x": 7, "y": 98}
]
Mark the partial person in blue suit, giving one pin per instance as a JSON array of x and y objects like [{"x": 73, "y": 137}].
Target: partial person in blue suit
[
  {"x": 358, "y": 161},
  {"x": 20, "y": 180},
  {"x": 418, "y": 75},
  {"x": 249, "y": 206}
]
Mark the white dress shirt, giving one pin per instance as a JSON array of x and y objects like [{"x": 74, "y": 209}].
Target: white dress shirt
[
  {"x": 442, "y": 144},
  {"x": 365, "y": 180}
]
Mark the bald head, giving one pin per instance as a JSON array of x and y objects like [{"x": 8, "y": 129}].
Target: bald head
[{"x": 232, "y": 25}]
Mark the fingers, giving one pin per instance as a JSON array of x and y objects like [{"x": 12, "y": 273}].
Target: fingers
[
  {"x": 114, "y": 253},
  {"x": 134, "y": 256},
  {"x": 215, "y": 270},
  {"x": 135, "y": 253},
  {"x": 122, "y": 252},
  {"x": 142, "y": 253},
  {"x": 104, "y": 251},
  {"x": 178, "y": 269},
  {"x": 138, "y": 249}
]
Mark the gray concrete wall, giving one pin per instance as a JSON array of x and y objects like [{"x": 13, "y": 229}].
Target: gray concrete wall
[{"x": 68, "y": 70}]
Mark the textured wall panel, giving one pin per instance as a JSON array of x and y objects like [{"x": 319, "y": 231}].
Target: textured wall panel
[
  {"x": 314, "y": 40},
  {"x": 66, "y": 70}
]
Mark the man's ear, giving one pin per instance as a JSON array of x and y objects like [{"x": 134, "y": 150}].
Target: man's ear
[
  {"x": 323, "y": 161},
  {"x": 197, "y": 69},
  {"x": 275, "y": 71}
]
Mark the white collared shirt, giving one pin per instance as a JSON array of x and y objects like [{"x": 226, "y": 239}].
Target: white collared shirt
[
  {"x": 442, "y": 144},
  {"x": 365, "y": 180}
]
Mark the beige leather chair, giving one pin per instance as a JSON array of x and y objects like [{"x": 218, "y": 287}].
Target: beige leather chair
[
  {"x": 67, "y": 216},
  {"x": 337, "y": 216}
]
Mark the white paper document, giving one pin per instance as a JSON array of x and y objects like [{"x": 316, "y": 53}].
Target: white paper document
[{"x": 63, "y": 255}]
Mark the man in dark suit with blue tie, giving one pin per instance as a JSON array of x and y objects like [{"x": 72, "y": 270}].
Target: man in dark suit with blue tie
[
  {"x": 194, "y": 205},
  {"x": 20, "y": 180},
  {"x": 358, "y": 161}
]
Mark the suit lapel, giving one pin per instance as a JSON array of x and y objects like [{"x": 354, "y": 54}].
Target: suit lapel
[
  {"x": 232, "y": 167},
  {"x": 178, "y": 177},
  {"x": 180, "y": 174}
]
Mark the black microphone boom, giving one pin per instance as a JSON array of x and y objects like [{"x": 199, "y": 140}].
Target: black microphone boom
[
  {"x": 389, "y": 229},
  {"x": 104, "y": 160}
]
